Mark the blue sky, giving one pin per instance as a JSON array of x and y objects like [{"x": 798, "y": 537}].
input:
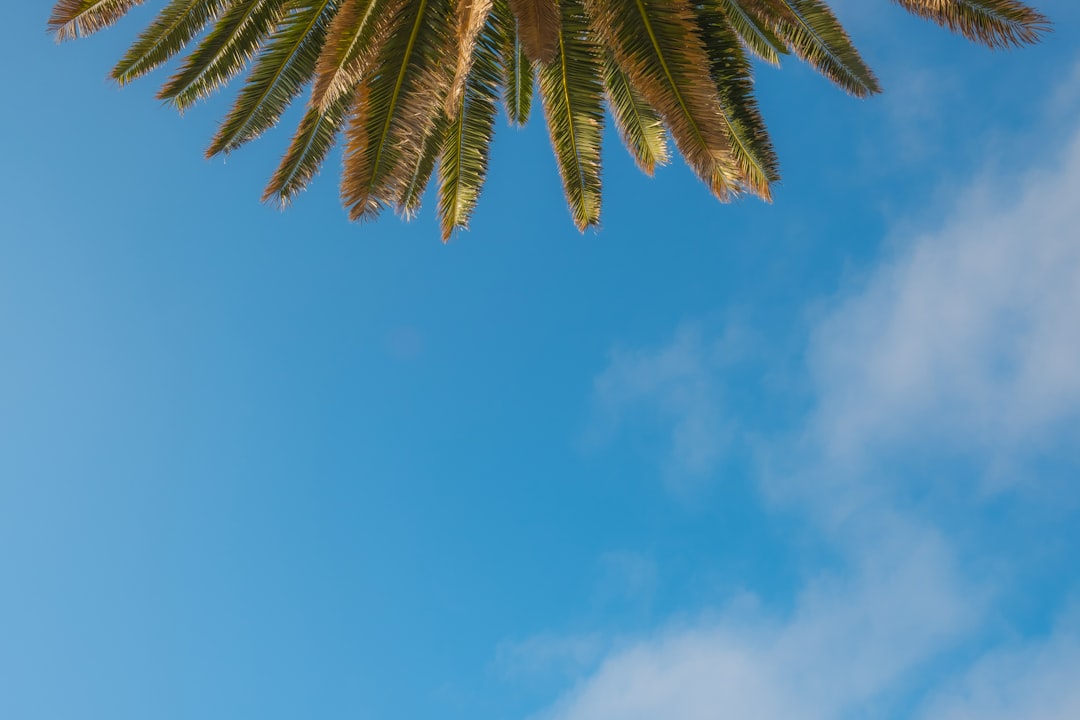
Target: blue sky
[{"x": 812, "y": 459}]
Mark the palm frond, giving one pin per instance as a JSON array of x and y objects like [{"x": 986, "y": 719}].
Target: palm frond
[
  {"x": 538, "y": 27},
  {"x": 285, "y": 65},
  {"x": 463, "y": 159},
  {"x": 415, "y": 85},
  {"x": 732, "y": 75},
  {"x": 754, "y": 34},
  {"x": 572, "y": 90},
  {"x": 317, "y": 134},
  {"x": 472, "y": 16},
  {"x": 408, "y": 204},
  {"x": 169, "y": 33},
  {"x": 397, "y": 108},
  {"x": 659, "y": 47},
  {"x": 355, "y": 38},
  {"x": 995, "y": 23},
  {"x": 639, "y": 126},
  {"x": 78, "y": 18},
  {"x": 519, "y": 74},
  {"x": 235, "y": 38},
  {"x": 812, "y": 32}
]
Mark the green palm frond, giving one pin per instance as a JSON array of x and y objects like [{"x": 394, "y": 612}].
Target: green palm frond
[
  {"x": 396, "y": 109},
  {"x": 755, "y": 34},
  {"x": 572, "y": 91},
  {"x": 731, "y": 74},
  {"x": 415, "y": 85},
  {"x": 283, "y": 68},
  {"x": 237, "y": 36},
  {"x": 519, "y": 73},
  {"x": 996, "y": 23},
  {"x": 174, "y": 27},
  {"x": 71, "y": 19},
  {"x": 464, "y": 154},
  {"x": 812, "y": 32},
  {"x": 639, "y": 125},
  {"x": 317, "y": 134},
  {"x": 659, "y": 47}
]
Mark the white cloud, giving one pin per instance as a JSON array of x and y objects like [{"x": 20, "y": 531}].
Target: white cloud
[
  {"x": 969, "y": 336},
  {"x": 848, "y": 643},
  {"x": 677, "y": 384},
  {"x": 1036, "y": 681},
  {"x": 966, "y": 341}
]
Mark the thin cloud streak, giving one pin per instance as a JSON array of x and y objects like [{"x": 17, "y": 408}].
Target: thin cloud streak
[
  {"x": 677, "y": 384},
  {"x": 967, "y": 337},
  {"x": 849, "y": 641},
  {"x": 1035, "y": 681},
  {"x": 963, "y": 342}
]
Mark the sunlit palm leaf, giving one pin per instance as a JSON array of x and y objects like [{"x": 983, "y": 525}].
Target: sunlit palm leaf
[
  {"x": 755, "y": 35},
  {"x": 356, "y": 36},
  {"x": 472, "y": 17},
  {"x": 282, "y": 69},
  {"x": 317, "y": 134},
  {"x": 77, "y": 18},
  {"x": 464, "y": 158},
  {"x": 731, "y": 73},
  {"x": 224, "y": 52},
  {"x": 639, "y": 126},
  {"x": 173, "y": 28},
  {"x": 519, "y": 75},
  {"x": 413, "y": 81},
  {"x": 813, "y": 33},
  {"x": 396, "y": 109},
  {"x": 408, "y": 204},
  {"x": 659, "y": 47},
  {"x": 997, "y": 23},
  {"x": 572, "y": 90}
]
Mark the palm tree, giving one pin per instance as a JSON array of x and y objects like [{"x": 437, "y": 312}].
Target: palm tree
[{"x": 415, "y": 84}]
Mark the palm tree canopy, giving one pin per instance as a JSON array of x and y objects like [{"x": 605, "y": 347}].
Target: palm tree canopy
[{"x": 415, "y": 86}]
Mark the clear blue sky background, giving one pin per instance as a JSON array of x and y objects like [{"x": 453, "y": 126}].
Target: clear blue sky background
[{"x": 818, "y": 456}]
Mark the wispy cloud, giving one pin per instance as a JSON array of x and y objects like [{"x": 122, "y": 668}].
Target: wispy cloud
[
  {"x": 626, "y": 578},
  {"x": 676, "y": 390},
  {"x": 850, "y": 641},
  {"x": 968, "y": 336},
  {"x": 963, "y": 342},
  {"x": 1034, "y": 681},
  {"x": 544, "y": 656}
]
